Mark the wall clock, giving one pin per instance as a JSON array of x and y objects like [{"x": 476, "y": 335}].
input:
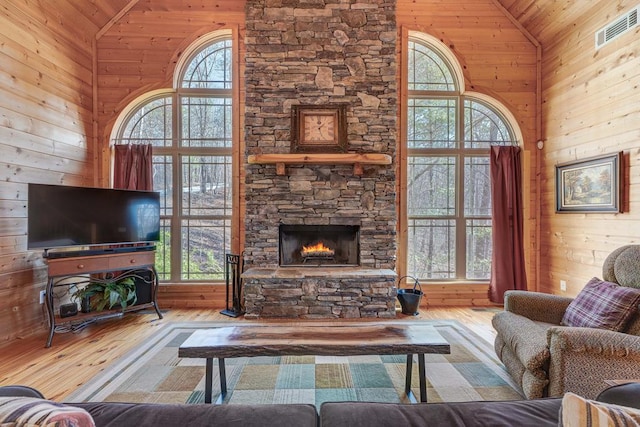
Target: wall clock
[{"x": 318, "y": 129}]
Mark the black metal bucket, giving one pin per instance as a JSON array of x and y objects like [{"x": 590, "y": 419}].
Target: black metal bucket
[{"x": 410, "y": 299}]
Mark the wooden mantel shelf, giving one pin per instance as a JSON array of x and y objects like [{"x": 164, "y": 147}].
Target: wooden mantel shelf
[{"x": 356, "y": 159}]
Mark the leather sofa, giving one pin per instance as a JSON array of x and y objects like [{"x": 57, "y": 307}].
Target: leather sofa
[
  {"x": 352, "y": 414},
  {"x": 539, "y": 413}
]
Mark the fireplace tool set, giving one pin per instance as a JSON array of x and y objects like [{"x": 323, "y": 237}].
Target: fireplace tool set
[{"x": 233, "y": 269}]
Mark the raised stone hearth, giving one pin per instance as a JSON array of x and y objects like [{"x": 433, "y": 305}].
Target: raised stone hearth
[
  {"x": 321, "y": 52},
  {"x": 324, "y": 292}
]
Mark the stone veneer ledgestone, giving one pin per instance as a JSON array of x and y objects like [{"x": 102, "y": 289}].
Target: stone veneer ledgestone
[
  {"x": 312, "y": 293},
  {"x": 321, "y": 52}
]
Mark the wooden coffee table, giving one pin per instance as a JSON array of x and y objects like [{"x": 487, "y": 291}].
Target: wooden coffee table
[{"x": 348, "y": 340}]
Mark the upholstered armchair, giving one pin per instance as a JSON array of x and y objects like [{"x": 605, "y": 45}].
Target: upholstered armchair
[{"x": 547, "y": 358}]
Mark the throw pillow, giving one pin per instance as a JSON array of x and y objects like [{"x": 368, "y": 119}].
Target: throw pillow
[
  {"x": 32, "y": 412},
  {"x": 579, "y": 412},
  {"x": 603, "y": 305}
]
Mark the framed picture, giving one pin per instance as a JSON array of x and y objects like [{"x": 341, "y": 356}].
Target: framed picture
[
  {"x": 318, "y": 129},
  {"x": 591, "y": 185}
]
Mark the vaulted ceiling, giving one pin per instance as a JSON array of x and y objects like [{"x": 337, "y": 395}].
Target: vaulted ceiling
[
  {"x": 547, "y": 19},
  {"x": 543, "y": 19}
]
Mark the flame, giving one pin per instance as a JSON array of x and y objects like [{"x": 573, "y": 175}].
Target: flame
[{"x": 317, "y": 248}]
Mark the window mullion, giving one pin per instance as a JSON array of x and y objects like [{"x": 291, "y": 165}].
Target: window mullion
[
  {"x": 461, "y": 224},
  {"x": 176, "y": 220},
  {"x": 461, "y": 221}
]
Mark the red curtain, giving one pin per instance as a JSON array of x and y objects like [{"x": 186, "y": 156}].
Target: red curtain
[
  {"x": 133, "y": 168},
  {"x": 507, "y": 264}
]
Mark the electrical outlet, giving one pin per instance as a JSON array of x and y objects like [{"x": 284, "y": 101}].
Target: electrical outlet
[
  {"x": 563, "y": 285},
  {"x": 43, "y": 294}
]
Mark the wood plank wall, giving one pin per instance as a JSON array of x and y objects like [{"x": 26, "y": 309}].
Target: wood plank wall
[
  {"x": 46, "y": 102},
  {"x": 45, "y": 137},
  {"x": 591, "y": 108}
]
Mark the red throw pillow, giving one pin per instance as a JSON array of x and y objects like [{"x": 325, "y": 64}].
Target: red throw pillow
[{"x": 602, "y": 305}]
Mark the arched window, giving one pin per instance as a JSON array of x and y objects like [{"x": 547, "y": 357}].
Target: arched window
[
  {"x": 448, "y": 189},
  {"x": 191, "y": 130}
]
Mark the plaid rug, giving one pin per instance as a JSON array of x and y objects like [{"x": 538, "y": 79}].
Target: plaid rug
[{"x": 154, "y": 373}]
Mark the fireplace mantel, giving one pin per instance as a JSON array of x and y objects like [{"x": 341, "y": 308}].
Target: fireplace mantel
[{"x": 357, "y": 159}]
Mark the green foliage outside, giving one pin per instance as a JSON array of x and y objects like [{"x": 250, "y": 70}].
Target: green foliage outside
[{"x": 199, "y": 264}]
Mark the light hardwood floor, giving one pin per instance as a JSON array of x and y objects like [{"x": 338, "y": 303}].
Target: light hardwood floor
[{"x": 74, "y": 358}]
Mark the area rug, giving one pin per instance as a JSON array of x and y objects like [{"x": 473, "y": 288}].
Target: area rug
[{"x": 154, "y": 373}]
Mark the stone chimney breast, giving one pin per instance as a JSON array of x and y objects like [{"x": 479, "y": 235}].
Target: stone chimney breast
[{"x": 321, "y": 53}]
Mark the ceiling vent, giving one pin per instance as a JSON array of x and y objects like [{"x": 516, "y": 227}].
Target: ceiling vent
[{"x": 617, "y": 28}]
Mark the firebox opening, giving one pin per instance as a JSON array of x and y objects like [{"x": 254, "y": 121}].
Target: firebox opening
[{"x": 319, "y": 245}]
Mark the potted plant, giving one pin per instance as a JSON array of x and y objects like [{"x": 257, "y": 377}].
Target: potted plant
[{"x": 107, "y": 294}]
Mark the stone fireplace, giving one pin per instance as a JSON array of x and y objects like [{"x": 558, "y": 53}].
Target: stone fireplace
[{"x": 322, "y": 53}]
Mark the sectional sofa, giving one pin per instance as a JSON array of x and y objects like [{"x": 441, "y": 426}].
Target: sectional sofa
[{"x": 538, "y": 413}]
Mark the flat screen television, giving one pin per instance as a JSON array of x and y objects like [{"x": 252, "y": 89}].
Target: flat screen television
[{"x": 63, "y": 216}]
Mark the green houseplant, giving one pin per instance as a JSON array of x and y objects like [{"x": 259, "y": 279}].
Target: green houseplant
[{"x": 108, "y": 294}]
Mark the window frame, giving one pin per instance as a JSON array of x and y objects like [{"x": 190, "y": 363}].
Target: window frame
[
  {"x": 460, "y": 152},
  {"x": 177, "y": 152}
]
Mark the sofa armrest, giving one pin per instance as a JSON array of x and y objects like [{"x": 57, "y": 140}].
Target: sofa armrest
[
  {"x": 19, "y": 390},
  {"x": 622, "y": 394},
  {"x": 582, "y": 359},
  {"x": 537, "y": 306}
]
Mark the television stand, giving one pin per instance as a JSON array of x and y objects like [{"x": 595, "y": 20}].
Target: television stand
[{"x": 70, "y": 271}]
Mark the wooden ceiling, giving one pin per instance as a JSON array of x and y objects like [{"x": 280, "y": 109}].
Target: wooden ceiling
[
  {"x": 97, "y": 12},
  {"x": 102, "y": 14},
  {"x": 543, "y": 19}
]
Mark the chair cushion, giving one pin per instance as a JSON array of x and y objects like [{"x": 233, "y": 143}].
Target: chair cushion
[
  {"x": 116, "y": 414},
  {"x": 538, "y": 413},
  {"x": 579, "y": 412},
  {"x": 603, "y": 305}
]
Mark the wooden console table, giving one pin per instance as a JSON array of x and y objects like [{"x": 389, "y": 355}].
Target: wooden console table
[
  {"x": 64, "y": 272},
  {"x": 348, "y": 340}
]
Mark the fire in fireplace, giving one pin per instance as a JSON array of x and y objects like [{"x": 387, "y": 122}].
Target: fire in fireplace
[
  {"x": 319, "y": 250},
  {"x": 319, "y": 245}
]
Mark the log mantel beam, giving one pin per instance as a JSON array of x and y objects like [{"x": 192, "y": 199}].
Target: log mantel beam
[{"x": 357, "y": 159}]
